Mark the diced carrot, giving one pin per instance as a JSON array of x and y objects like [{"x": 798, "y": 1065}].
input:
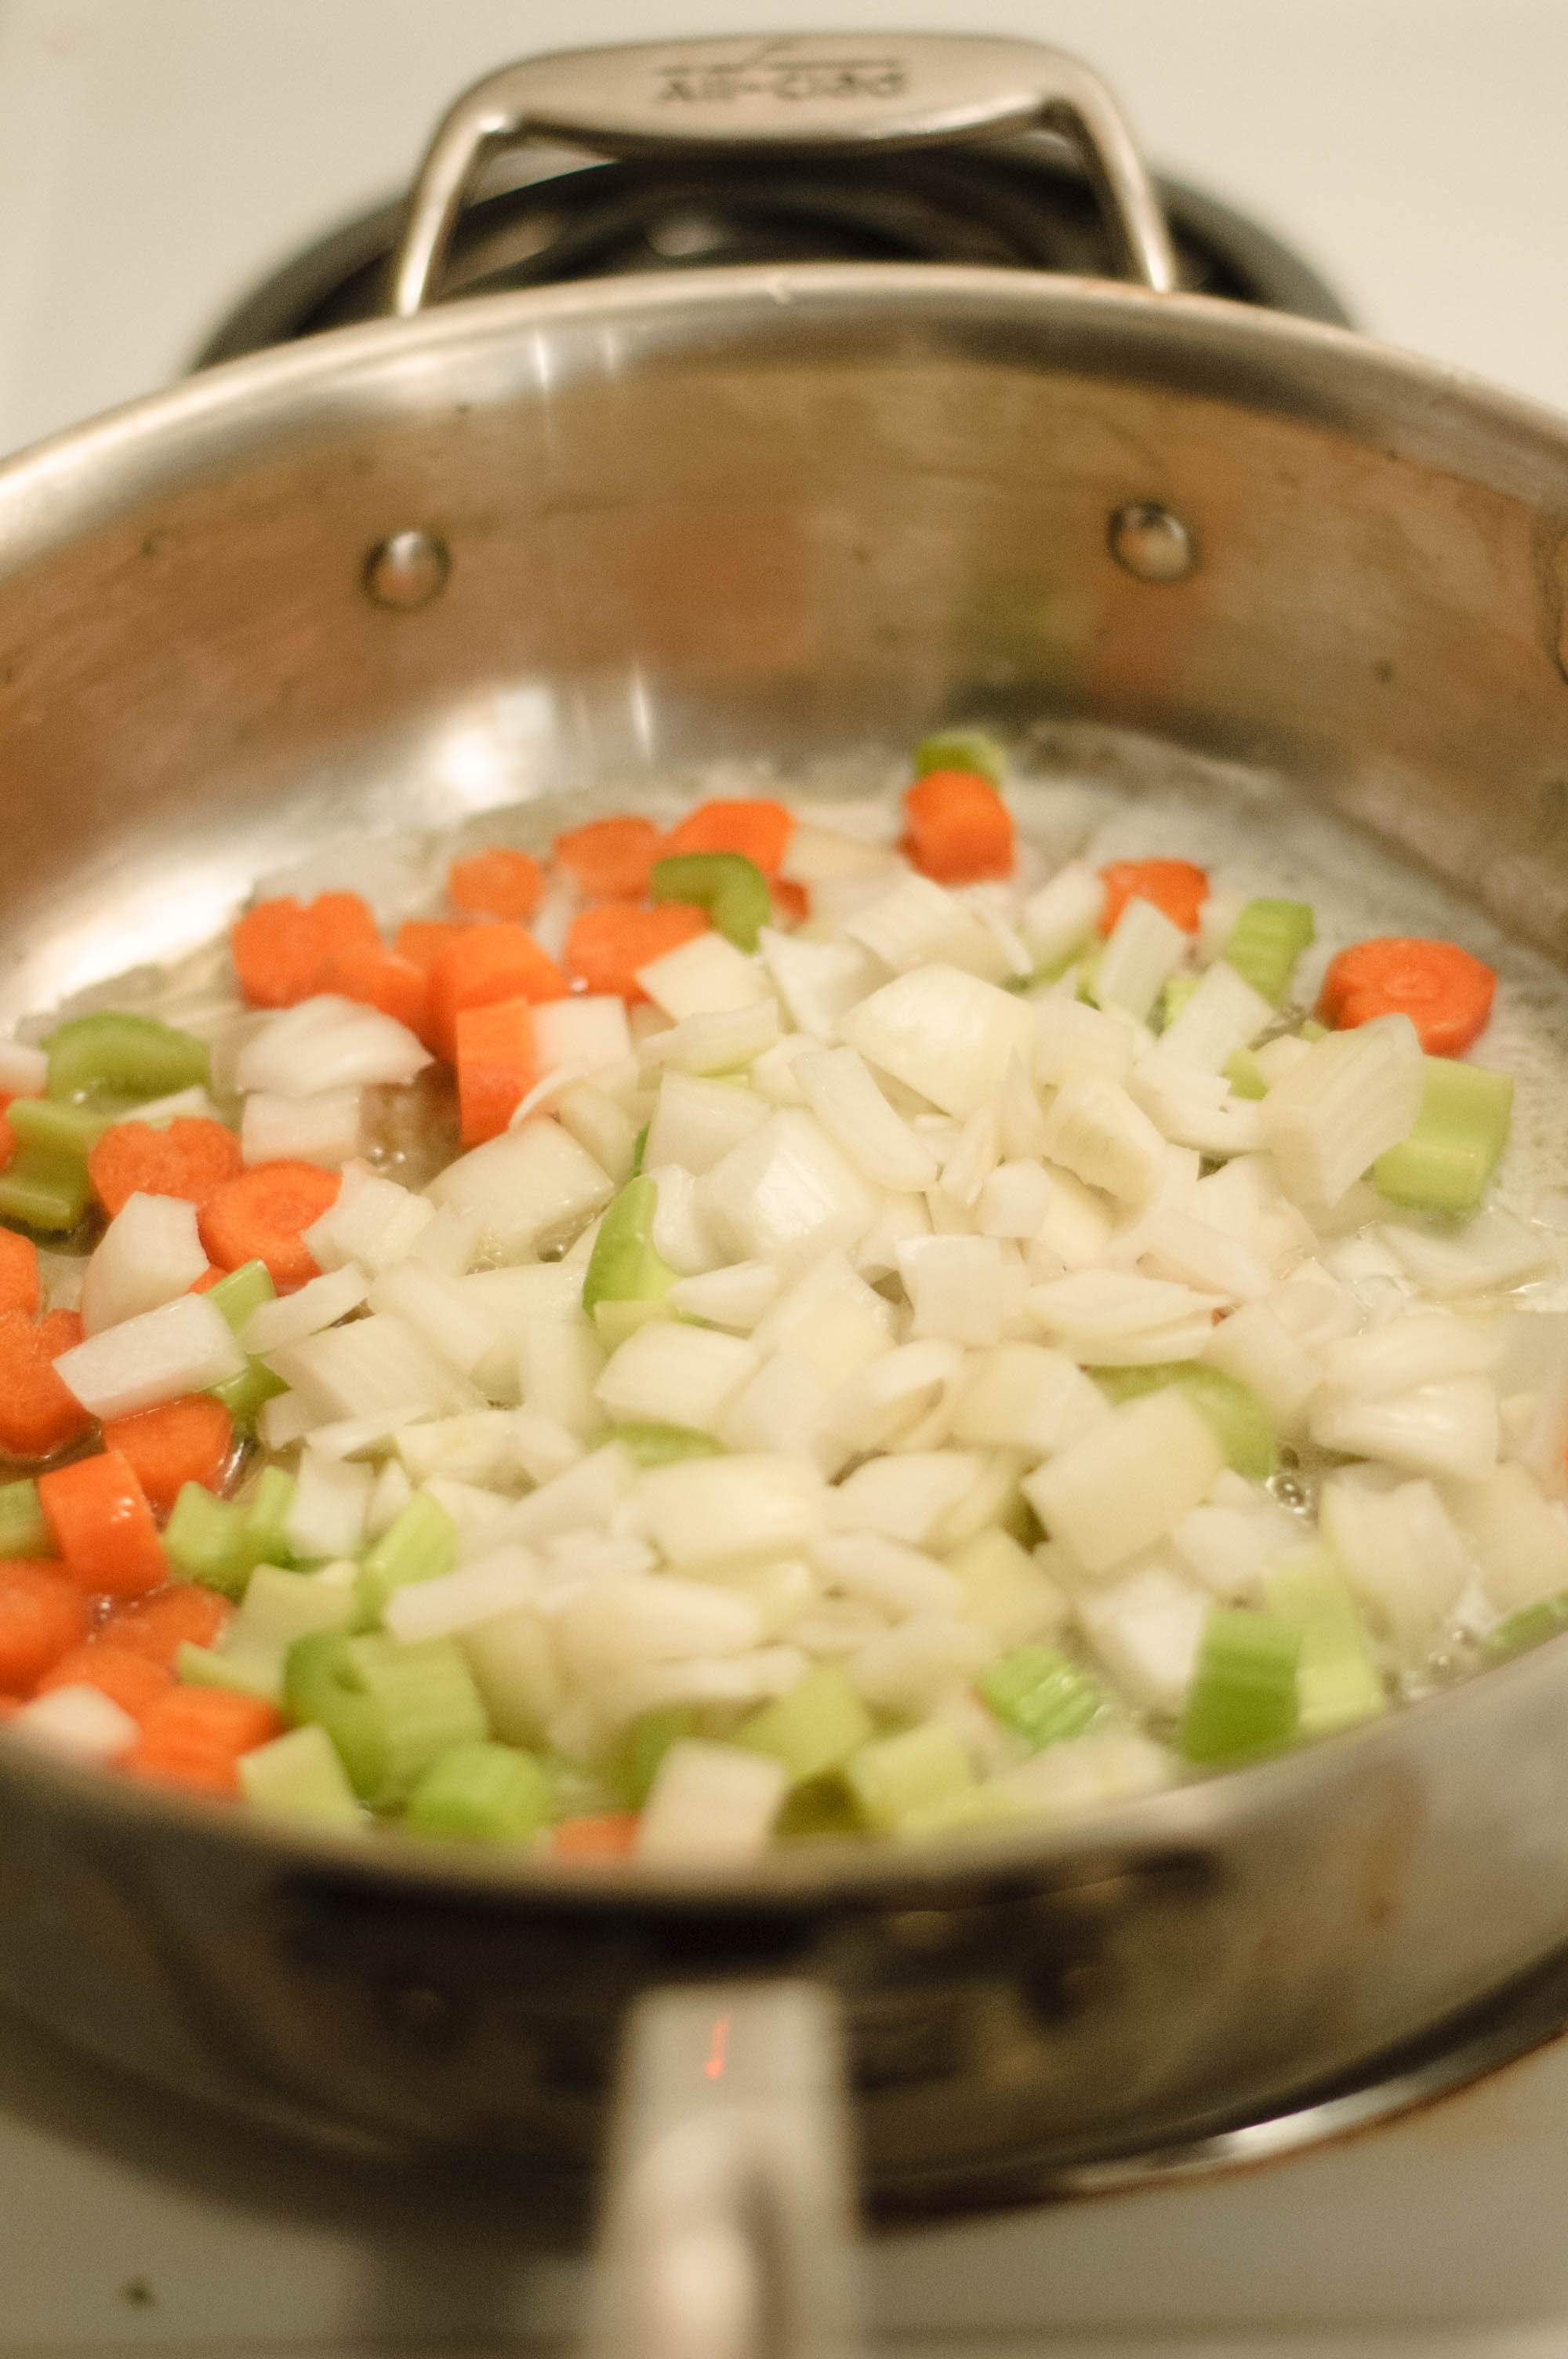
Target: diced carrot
[
  {"x": 9, "y": 1707},
  {"x": 157, "y": 1626},
  {"x": 792, "y": 902},
  {"x": 1173, "y": 885},
  {"x": 132, "y": 1680},
  {"x": 375, "y": 977},
  {"x": 42, "y": 1612},
  {"x": 18, "y": 1273},
  {"x": 498, "y": 883},
  {"x": 192, "y": 1157},
  {"x": 496, "y": 1066},
  {"x": 603, "y": 1834},
  {"x": 609, "y": 859},
  {"x": 279, "y": 947},
  {"x": 1447, "y": 994},
  {"x": 260, "y": 1216},
  {"x": 482, "y": 965},
  {"x": 103, "y": 1525},
  {"x": 186, "y": 1440},
  {"x": 758, "y": 830},
  {"x": 38, "y": 1415},
  {"x": 957, "y": 827},
  {"x": 421, "y": 941},
  {"x": 208, "y": 1279},
  {"x": 195, "y": 1736},
  {"x": 608, "y": 944}
]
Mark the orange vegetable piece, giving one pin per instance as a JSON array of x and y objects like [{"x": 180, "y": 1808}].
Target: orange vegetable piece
[
  {"x": 260, "y": 1216},
  {"x": 496, "y": 1066},
  {"x": 957, "y": 827},
  {"x": 281, "y": 946},
  {"x": 156, "y": 1626},
  {"x": 132, "y": 1680},
  {"x": 421, "y": 941},
  {"x": 497, "y": 882},
  {"x": 482, "y": 965},
  {"x": 601, "y": 1834},
  {"x": 1447, "y": 994},
  {"x": 609, "y": 859},
  {"x": 103, "y": 1525},
  {"x": 186, "y": 1440},
  {"x": 19, "y": 1288},
  {"x": 208, "y": 1279},
  {"x": 38, "y": 1415},
  {"x": 1173, "y": 885},
  {"x": 194, "y": 1737},
  {"x": 42, "y": 1614},
  {"x": 375, "y": 977},
  {"x": 758, "y": 830},
  {"x": 192, "y": 1157},
  {"x": 608, "y": 944},
  {"x": 792, "y": 903}
]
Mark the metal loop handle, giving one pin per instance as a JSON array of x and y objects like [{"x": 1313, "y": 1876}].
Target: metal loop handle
[{"x": 803, "y": 92}]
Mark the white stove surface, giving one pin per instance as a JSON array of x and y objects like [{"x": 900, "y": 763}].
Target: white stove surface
[{"x": 155, "y": 158}]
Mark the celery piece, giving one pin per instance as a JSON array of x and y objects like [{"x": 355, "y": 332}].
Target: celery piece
[
  {"x": 134, "y": 1056},
  {"x": 1446, "y": 1162},
  {"x": 896, "y": 1778},
  {"x": 812, "y": 1813},
  {"x": 961, "y": 749},
  {"x": 69, "y": 1132},
  {"x": 636, "y": 1763},
  {"x": 1243, "y": 1694},
  {"x": 1528, "y": 1626},
  {"x": 44, "y": 1190},
  {"x": 265, "y": 1507},
  {"x": 299, "y": 1777},
  {"x": 243, "y": 1290},
  {"x": 1239, "y": 1418},
  {"x": 814, "y": 1729},
  {"x": 731, "y": 888},
  {"x": 390, "y": 1709},
  {"x": 1042, "y": 1695},
  {"x": 243, "y": 1395},
  {"x": 1241, "y": 1071},
  {"x": 241, "y": 1670},
  {"x": 419, "y": 1545},
  {"x": 204, "y": 1540},
  {"x": 281, "y": 1606},
  {"x": 661, "y": 1445},
  {"x": 24, "y": 1528},
  {"x": 1336, "y": 1678},
  {"x": 1312, "y": 1031},
  {"x": 1266, "y": 940},
  {"x": 1178, "y": 990},
  {"x": 639, "y": 1152},
  {"x": 623, "y": 1266},
  {"x": 1088, "y": 973},
  {"x": 483, "y": 1793}
]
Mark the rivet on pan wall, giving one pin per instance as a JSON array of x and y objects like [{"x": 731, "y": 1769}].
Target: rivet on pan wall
[
  {"x": 1148, "y": 542},
  {"x": 407, "y": 571}
]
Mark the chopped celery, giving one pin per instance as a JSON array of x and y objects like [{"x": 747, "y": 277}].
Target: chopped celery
[
  {"x": 1337, "y": 1677},
  {"x": 1088, "y": 973},
  {"x": 390, "y": 1709},
  {"x": 1243, "y": 1694},
  {"x": 69, "y": 1132},
  {"x": 639, "y": 1152},
  {"x": 1459, "y": 1137},
  {"x": 243, "y": 1290},
  {"x": 420, "y": 1545},
  {"x": 1266, "y": 940},
  {"x": 896, "y": 1778},
  {"x": 811, "y": 1813},
  {"x": 1238, "y": 1415},
  {"x": 624, "y": 1265},
  {"x": 661, "y": 1445},
  {"x": 1528, "y": 1626},
  {"x": 961, "y": 749},
  {"x": 814, "y": 1729},
  {"x": 1042, "y": 1695},
  {"x": 299, "y": 1777},
  {"x": 243, "y": 1395},
  {"x": 1241, "y": 1071},
  {"x": 281, "y": 1606},
  {"x": 44, "y": 1190},
  {"x": 483, "y": 1791},
  {"x": 204, "y": 1540},
  {"x": 266, "y": 1507},
  {"x": 24, "y": 1528},
  {"x": 240, "y": 1670},
  {"x": 1178, "y": 990},
  {"x": 133, "y": 1056},
  {"x": 637, "y": 1761},
  {"x": 731, "y": 888}
]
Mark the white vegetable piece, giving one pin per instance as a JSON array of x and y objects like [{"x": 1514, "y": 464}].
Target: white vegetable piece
[
  {"x": 479, "y": 1448},
  {"x": 1014, "y": 1201},
  {"x": 1020, "y": 1115},
  {"x": 319, "y": 1303},
  {"x": 544, "y": 1446},
  {"x": 369, "y": 1365},
  {"x": 1224, "y": 1014},
  {"x": 917, "y": 921},
  {"x": 711, "y": 1806},
  {"x": 1145, "y": 1628},
  {"x": 1195, "y": 1109},
  {"x": 611, "y": 1626},
  {"x": 900, "y": 1219},
  {"x": 1094, "y": 1131},
  {"x": 1231, "y": 1548},
  {"x": 818, "y": 982},
  {"x": 683, "y": 1234},
  {"x": 1175, "y": 1245},
  {"x": 673, "y": 1373},
  {"x": 957, "y": 1287},
  {"x": 24, "y": 1071},
  {"x": 703, "y": 977},
  {"x": 787, "y": 1194},
  {"x": 77, "y": 1724},
  {"x": 944, "y": 1033},
  {"x": 1277, "y": 1058},
  {"x": 1352, "y": 1097},
  {"x": 904, "y": 1496},
  {"x": 1024, "y": 1397},
  {"x": 1423, "y": 1347},
  {"x": 446, "y": 1241},
  {"x": 898, "y": 1389},
  {"x": 328, "y": 1043},
  {"x": 1143, "y": 950},
  {"x": 512, "y": 1656},
  {"x": 194, "y": 1104},
  {"x": 525, "y": 1188},
  {"x": 973, "y": 1157},
  {"x": 722, "y": 1041},
  {"x": 748, "y": 1505},
  {"x": 1121, "y": 1488},
  {"x": 772, "y": 1075},
  {"x": 324, "y": 1127},
  {"x": 695, "y": 1121},
  {"x": 440, "y": 1310},
  {"x": 1401, "y": 1553},
  {"x": 786, "y": 1407},
  {"x": 1087, "y": 1773},
  {"x": 911, "y": 1671},
  {"x": 184, "y": 1347},
  {"x": 1072, "y": 1040},
  {"x": 150, "y": 1253},
  {"x": 1063, "y": 915},
  {"x": 1109, "y": 1318},
  {"x": 589, "y": 1031},
  {"x": 831, "y": 1317},
  {"x": 814, "y": 854},
  {"x": 1517, "y": 1535},
  {"x": 890, "y": 1574},
  {"x": 326, "y": 1516},
  {"x": 1078, "y": 1227},
  {"x": 1488, "y": 1254},
  {"x": 581, "y": 1498},
  {"x": 736, "y": 1297},
  {"x": 373, "y": 1221},
  {"x": 1440, "y": 1429},
  {"x": 287, "y": 1419},
  {"x": 558, "y": 1362},
  {"x": 1255, "y": 1347},
  {"x": 839, "y": 1088},
  {"x": 601, "y": 1128}
]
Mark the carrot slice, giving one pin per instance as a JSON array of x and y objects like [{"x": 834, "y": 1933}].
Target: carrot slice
[
  {"x": 421, "y": 941},
  {"x": 208, "y": 1279},
  {"x": 262, "y": 1215},
  {"x": 601, "y": 1834},
  {"x": 186, "y": 1440},
  {"x": 497, "y": 882},
  {"x": 1447, "y": 994},
  {"x": 485, "y": 964},
  {"x": 194, "y": 1737},
  {"x": 609, "y": 859},
  {"x": 1173, "y": 885},
  {"x": 38, "y": 1415},
  {"x": 42, "y": 1614},
  {"x": 281, "y": 946},
  {"x": 608, "y": 944},
  {"x": 758, "y": 830},
  {"x": 193, "y": 1158},
  {"x": 496, "y": 1066},
  {"x": 134, "y": 1681},
  {"x": 156, "y": 1626},
  {"x": 957, "y": 827},
  {"x": 375, "y": 977},
  {"x": 18, "y": 1273},
  {"x": 103, "y": 1525},
  {"x": 792, "y": 903}
]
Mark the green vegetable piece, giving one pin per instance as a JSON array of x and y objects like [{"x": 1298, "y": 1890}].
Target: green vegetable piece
[
  {"x": 390, "y": 1709},
  {"x": 240, "y": 1671},
  {"x": 1527, "y": 1625},
  {"x": 637, "y": 1759},
  {"x": 961, "y": 749},
  {"x": 68, "y": 1132},
  {"x": 1042, "y": 1695},
  {"x": 731, "y": 888},
  {"x": 419, "y": 1545},
  {"x": 661, "y": 1445},
  {"x": 1178, "y": 990},
  {"x": 639, "y": 1152},
  {"x": 1239, "y": 1419},
  {"x": 897, "y": 1778},
  {"x": 244, "y": 1395},
  {"x": 299, "y": 1778},
  {"x": 1243, "y": 1072},
  {"x": 43, "y": 1191},
  {"x": 1088, "y": 974},
  {"x": 1447, "y": 1162},
  {"x": 243, "y": 1290},
  {"x": 1337, "y": 1677},
  {"x": 481, "y": 1792},
  {"x": 623, "y": 1266},
  {"x": 133, "y": 1056},
  {"x": 24, "y": 1528},
  {"x": 1243, "y": 1697},
  {"x": 814, "y": 1729},
  {"x": 1312, "y": 1031},
  {"x": 281, "y": 1606},
  {"x": 1265, "y": 942},
  {"x": 265, "y": 1507},
  {"x": 204, "y": 1540},
  {"x": 812, "y": 1813}
]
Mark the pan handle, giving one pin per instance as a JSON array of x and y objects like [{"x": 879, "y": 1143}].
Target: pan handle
[
  {"x": 808, "y": 92},
  {"x": 727, "y": 2230}
]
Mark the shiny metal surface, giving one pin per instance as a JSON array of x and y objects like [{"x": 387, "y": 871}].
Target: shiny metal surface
[{"x": 1150, "y": 543}]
